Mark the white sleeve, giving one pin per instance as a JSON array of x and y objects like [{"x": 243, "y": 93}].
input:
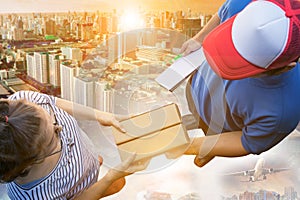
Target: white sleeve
[{"x": 33, "y": 96}]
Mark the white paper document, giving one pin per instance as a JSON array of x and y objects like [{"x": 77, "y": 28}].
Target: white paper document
[{"x": 180, "y": 70}]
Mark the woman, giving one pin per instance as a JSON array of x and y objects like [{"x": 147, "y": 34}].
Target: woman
[{"x": 42, "y": 155}]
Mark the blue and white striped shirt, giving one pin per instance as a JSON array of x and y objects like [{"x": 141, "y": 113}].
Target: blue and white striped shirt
[{"x": 76, "y": 169}]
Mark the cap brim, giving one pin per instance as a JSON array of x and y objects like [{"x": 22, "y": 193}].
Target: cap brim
[{"x": 222, "y": 56}]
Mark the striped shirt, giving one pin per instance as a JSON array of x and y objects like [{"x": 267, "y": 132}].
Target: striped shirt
[{"x": 76, "y": 169}]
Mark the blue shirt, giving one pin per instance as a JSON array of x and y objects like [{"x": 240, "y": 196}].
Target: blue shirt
[
  {"x": 265, "y": 109},
  {"x": 231, "y": 7}
]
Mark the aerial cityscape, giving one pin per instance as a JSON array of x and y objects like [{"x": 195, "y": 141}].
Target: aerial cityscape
[
  {"x": 289, "y": 193},
  {"x": 94, "y": 58}
]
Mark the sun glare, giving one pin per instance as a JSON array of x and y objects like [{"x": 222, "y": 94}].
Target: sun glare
[{"x": 131, "y": 20}]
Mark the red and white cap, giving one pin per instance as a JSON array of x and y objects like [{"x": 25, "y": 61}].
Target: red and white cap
[{"x": 265, "y": 35}]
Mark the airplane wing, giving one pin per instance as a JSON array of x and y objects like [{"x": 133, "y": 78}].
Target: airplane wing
[
  {"x": 272, "y": 170},
  {"x": 241, "y": 173}
]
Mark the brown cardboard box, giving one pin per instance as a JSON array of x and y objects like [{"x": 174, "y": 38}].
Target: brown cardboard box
[{"x": 151, "y": 133}]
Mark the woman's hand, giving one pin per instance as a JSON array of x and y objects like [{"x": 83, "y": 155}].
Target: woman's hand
[
  {"x": 109, "y": 119},
  {"x": 129, "y": 166},
  {"x": 113, "y": 181}
]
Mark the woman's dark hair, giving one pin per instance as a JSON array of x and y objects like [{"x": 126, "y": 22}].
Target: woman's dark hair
[{"x": 21, "y": 140}]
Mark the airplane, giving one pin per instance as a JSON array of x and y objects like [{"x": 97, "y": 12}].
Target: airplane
[{"x": 258, "y": 171}]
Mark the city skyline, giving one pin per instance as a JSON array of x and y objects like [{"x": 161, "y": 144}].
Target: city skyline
[{"x": 24, "y": 6}]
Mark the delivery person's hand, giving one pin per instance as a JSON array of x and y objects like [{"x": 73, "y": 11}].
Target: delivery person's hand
[
  {"x": 176, "y": 152},
  {"x": 189, "y": 46}
]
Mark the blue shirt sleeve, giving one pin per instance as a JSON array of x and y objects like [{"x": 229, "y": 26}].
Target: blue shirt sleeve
[
  {"x": 268, "y": 109},
  {"x": 262, "y": 135},
  {"x": 231, "y": 7}
]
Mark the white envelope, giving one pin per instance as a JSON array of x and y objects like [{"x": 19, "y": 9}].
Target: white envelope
[{"x": 174, "y": 75}]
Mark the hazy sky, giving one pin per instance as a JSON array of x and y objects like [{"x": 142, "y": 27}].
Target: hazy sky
[{"x": 12, "y": 6}]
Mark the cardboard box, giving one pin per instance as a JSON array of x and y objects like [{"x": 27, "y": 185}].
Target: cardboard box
[{"x": 151, "y": 133}]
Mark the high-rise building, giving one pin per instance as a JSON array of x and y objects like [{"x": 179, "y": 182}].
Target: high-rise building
[
  {"x": 19, "y": 64},
  {"x": 76, "y": 54},
  {"x": 265, "y": 195},
  {"x": 109, "y": 24},
  {"x": 54, "y": 69},
  {"x": 149, "y": 38},
  {"x": 103, "y": 24},
  {"x": 87, "y": 31},
  {"x": 68, "y": 70},
  {"x": 50, "y": 27},
  {"x": 84, "y": 93},
  {"x": 114, "y": 23},
  {"x": 72, "y": 53},
  {"x": 290, "y": 193},
  {"x": 131, "y": 40},
  {"x": 190, "y": 26},
  {"x": 96, "y": 23},
  {"x": 20, "y": 23},
  {"x": 17, "y": 33},
  {"x": 1, "y": 20},
  {"x": 104, "y": 96},
  {"x": 78, "y": 30},
  {"x": 29, "y": 24},
  {"x": 41, "y": 67},
  {"x": 65, "y": 51},
  {"x": 114, "y": 48},
  {"x": 119, "y": 44},
  {"x": 30, "y": 62},
  {"x": 165, "y": 19},
  {"x": 73, "y": 26}
]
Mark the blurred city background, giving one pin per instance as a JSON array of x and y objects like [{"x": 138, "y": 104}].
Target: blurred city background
[{"x": 105, "y": 60}]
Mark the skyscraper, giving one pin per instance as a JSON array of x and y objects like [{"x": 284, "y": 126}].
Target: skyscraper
[
  {"x": 68, "y": 71},
  {"x": 104, "y": 24},
  {"x": 50, "y": 27},
  {"x": 114, "y": 48},
  {"x": 104, "y": 99},
  {"x": 54, "y": 69},
  {"x": 17, "y": 30},
  {"x": 87, "y": 31},
  {"x": 30, "y": 62},
  {"x": 131, "y": 40},
  {"x": 84, "y": 93},
  {"x": 290, "y": 193},
  {"x": 76, "y": 54},
  {"x": 149, "y": 37},
  {"x": 41, "y": 67},
  {"x": 17, "y": 33},
  {"x": 72, "y": 53}
]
